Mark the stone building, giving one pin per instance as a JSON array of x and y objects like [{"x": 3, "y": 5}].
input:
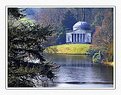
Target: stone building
[{"x": 81, "y": 33}]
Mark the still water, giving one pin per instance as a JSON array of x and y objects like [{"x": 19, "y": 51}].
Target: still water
[{"x": 79, "y": 71}]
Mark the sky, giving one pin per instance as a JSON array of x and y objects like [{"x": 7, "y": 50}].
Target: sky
[{"x": 31, "y": 12}]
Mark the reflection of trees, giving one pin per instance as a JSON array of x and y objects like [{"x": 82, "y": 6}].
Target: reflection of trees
[
  {"x": 76, "y": 68},
  {"x": 71, "y": 60}
]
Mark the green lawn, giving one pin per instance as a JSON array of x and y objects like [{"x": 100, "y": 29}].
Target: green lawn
[{"x": 68, "y": 49}]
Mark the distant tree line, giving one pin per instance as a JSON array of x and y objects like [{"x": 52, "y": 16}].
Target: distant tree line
[{"x": 63, "y": 19}]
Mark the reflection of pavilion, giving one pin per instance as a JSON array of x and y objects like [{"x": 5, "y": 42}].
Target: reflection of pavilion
[{"x": 81, "y": 33}]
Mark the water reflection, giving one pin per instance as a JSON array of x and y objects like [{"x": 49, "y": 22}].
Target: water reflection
[{"x": 78, "y": 69}]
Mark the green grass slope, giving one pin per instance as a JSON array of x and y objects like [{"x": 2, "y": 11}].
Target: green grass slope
[{"x": 68, "y": 49}]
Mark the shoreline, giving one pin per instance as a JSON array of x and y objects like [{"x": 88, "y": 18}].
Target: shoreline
[
  {"x": 109, "y": 63},
  {"x": 66, "y": 53}
]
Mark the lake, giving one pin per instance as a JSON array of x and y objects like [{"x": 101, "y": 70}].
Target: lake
[{"x": 78, "y": 71}]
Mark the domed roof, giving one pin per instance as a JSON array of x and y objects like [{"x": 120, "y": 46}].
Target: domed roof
[{"x": 81, "y": 25}]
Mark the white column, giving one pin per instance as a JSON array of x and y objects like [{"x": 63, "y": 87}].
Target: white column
[
  {"x": 79, "y": 38},
  {"x": 73, "y": 38},
  {"x": 76, "y": 38},
  {"x": 84, "y": 38}
]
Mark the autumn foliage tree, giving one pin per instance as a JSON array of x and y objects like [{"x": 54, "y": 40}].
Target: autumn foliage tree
[{"x": 103, "y": 36}]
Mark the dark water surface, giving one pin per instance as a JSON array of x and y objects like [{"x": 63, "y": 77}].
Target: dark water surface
[{"x": 79, "y": 71}]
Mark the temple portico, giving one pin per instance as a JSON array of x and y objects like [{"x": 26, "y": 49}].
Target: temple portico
[{"x": 80, "y": 34}]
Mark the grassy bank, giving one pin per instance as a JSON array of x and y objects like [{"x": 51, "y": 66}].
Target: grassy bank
[{"x": 68, "y": 49}]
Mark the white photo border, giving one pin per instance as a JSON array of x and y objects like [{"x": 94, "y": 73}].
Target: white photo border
[{"x": 59, "y": 6}]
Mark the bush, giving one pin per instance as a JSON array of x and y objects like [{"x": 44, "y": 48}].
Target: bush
[
  {"x": 94, "y": 49},
  {"x": 105, "y": 54},
  {"x": 94, "y": 53}
]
